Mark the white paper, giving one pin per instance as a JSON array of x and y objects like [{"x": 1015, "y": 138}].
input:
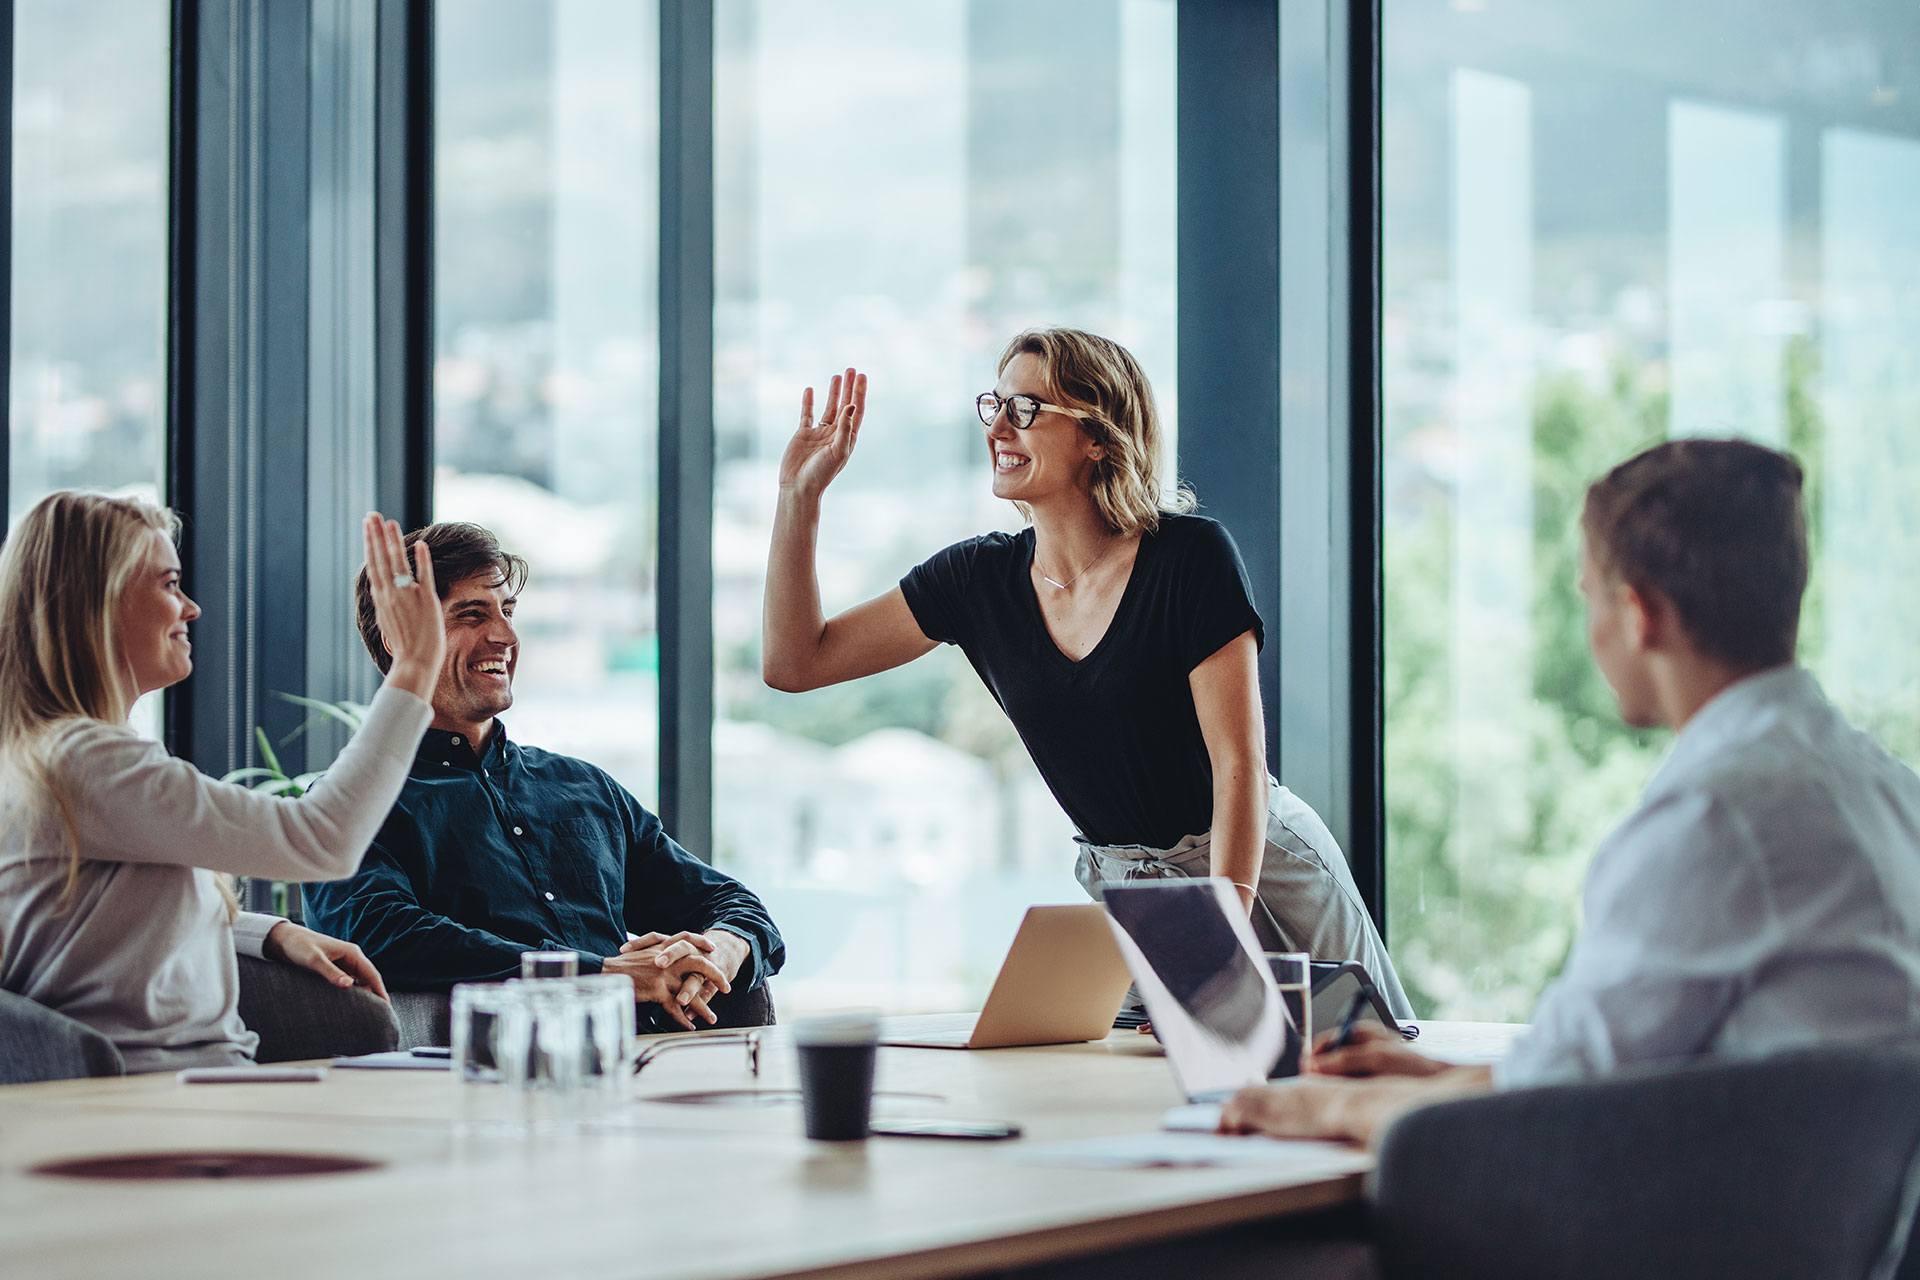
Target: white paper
[
  {"x": 398, "y": 1060},
  {"x": 1194, "y": 1117},
  {"x": 1164, "y": 1150}
]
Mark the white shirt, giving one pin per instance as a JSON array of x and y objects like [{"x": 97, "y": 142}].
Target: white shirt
[
  {"x": 1765, "y": 895},
  {"x": 142, "y": 950}
]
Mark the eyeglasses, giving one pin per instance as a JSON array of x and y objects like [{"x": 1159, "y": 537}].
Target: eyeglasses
[
  {"x": 750, "y": 1038},
  {"x": 1021, "y": 409}
]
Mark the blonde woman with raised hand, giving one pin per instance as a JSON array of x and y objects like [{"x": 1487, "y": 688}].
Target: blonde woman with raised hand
[
  {"x": 112, "y": 906},
  {"x": 1117, "y": 631}
]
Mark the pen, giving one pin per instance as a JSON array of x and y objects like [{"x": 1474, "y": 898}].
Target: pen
[{"x": 1345, "y": 1034}]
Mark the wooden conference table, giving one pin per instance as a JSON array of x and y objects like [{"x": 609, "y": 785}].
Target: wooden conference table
[{"x": 665, "y": 1191}]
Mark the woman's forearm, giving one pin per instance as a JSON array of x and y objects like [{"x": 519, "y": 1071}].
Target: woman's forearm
[
  {"x": 793, "y": 621},
  {"x": 1239, "y": 833}
]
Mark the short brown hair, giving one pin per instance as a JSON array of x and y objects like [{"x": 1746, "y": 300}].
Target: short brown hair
[
  {"x": 1086, "y": 371},
  {"x": 1717, "y": 527},
  {"x": 459, "y": 550}
]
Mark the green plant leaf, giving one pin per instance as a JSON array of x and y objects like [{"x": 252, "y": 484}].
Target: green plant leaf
[
  {"x": 266, "y": 751},
  {"x": 347, "y": 713},
  {"x": 247, "y": 775}
]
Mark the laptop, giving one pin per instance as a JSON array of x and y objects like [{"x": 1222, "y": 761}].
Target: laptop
[
  {"x": 1203, "y": 978},
  {"x": 1062, "y": 982}
]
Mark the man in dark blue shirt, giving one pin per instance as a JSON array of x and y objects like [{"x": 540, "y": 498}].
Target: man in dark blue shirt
[{"x": 495, "y": 848}]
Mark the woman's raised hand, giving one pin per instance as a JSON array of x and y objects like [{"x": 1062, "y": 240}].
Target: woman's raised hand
[
  {"x": 819, "y": 450},
  {"x": 406, "y": 606}
]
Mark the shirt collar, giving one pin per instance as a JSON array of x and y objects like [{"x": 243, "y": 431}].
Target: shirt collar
[
  {"x": 1733, "y": 715},
  {"x": 441, "y": 747}
]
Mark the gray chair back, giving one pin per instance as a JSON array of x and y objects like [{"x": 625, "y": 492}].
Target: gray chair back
[
  {"x": 38, "y": 1044},
  {"x": 298, "y": 1014},
  {"x": 1803, "y": 1164}
]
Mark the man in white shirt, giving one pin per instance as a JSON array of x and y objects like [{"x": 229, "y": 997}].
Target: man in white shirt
[{"x": 1765, "y": 895}]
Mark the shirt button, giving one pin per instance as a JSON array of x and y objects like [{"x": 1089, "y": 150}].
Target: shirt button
[
  {"x": 456, "y": 739},
  {"x": 448, "y": 763},
  {"x": 517, "y": 831},
  {"x": 549, "y": 897}
]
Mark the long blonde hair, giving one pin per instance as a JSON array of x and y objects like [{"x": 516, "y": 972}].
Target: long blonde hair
[
  {"x": 63, "y": 572},
  {"x": 1085, "y": 371}
]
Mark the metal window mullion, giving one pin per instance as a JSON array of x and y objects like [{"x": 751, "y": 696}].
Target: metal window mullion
[
  {"x": 1229, "y": 293},
  {"x": 1356, "y": 48},
  {"x": 183, "y": 147},
  {"x": 238, "y": 425},
  {"x": 686, "y": 422},
  {"x": 6, "y": 263},
  {"x": 403, "y": 252}
]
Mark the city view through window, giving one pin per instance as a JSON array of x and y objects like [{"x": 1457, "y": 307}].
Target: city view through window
[
  {"x": 901, "y": 187},
  {"x": 1593, "y": 241},
  {"x": 87, "y": 387}
]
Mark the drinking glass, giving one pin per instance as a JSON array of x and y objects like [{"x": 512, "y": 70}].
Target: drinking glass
[
  {"x": 607, "y": 1044},
  {"x": 489, "y": 1045},
  {"x": 1293, "y": 974},
  {"x": 542, "y": 1051},
  {"x": 549, "y": 964}
]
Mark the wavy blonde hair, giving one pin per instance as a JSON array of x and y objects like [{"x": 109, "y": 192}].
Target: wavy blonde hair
[
  {"x": 1085, "y": 371},
  {"x": 63, "y": 572}
]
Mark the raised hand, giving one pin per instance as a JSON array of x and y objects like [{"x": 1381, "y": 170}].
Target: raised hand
[
  {"x": 406, "y": 605},
  {"x": 819, "y": 450}
]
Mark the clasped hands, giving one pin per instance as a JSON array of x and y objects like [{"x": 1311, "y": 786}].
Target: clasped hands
[{"x": 680, "y": 971}]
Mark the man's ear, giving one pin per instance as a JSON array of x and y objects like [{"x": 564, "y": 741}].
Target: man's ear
[{"x": 1649, "y": 618}]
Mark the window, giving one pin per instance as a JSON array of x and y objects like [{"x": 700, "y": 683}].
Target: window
[
  {"x": 546, "y": 362},
  {"x": 1595, "y": 239},
  {"x": 87, "y": 387},
  {"x": 905, "y": 187}
]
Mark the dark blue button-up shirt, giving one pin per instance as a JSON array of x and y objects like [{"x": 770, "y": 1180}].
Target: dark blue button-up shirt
[{"x": 518, "y": 849}]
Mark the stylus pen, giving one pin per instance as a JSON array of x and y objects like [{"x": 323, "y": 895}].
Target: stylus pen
[{"x": 1347, "y": 1023}]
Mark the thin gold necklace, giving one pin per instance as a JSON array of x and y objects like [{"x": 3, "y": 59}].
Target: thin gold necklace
[{"x": 1062, "y": 586}]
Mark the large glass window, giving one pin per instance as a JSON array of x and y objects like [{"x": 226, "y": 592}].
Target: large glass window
[
  {"x": 89, "y": 256},
  {"x": 87, "y": 398},
  {"x": 904, "y": 187},
  {"x": 1603, "y": 226},
  {"x": 546, "y": 361}
]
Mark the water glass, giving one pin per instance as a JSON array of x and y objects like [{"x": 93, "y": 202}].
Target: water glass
[
  {"x": 486, "y": 1015},
  {"x": 549, "y": 964},
  {"x": 477, "y": 1011},
  {"x": 607, "y": 1046},
  {"x": 543, "y": 1049},
  {"x": 1293, "y": 974},
  {"x": 558, "y": 1051}
]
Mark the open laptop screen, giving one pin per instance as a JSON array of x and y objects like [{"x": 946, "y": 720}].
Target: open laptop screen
[{"x": 1195, "y": 962}]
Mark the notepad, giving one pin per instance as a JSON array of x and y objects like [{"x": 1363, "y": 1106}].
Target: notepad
[
  {"x": 398, "y": 1060},
  {"x": 1165, "y": 1150}
]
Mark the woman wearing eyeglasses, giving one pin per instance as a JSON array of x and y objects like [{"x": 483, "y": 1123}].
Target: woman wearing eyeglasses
[{"x": 1116, "y": 630}]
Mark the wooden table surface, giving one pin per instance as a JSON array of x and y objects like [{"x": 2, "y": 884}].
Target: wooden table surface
[{"x": 657, "y": 1190}]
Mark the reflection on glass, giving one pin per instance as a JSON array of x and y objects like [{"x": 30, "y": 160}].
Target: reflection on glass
[
  {"x": 546, "y": 364},
  {"x": 1593, "y": 240},
  {"x": 87, "y": 394},
  {"x": 905, "y": 186}
]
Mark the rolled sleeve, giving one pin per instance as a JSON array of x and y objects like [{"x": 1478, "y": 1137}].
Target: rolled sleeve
[{"x": 250, "y": 930}]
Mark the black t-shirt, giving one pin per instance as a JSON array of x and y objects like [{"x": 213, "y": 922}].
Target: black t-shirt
[{"x": 1115, "y": 734}]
